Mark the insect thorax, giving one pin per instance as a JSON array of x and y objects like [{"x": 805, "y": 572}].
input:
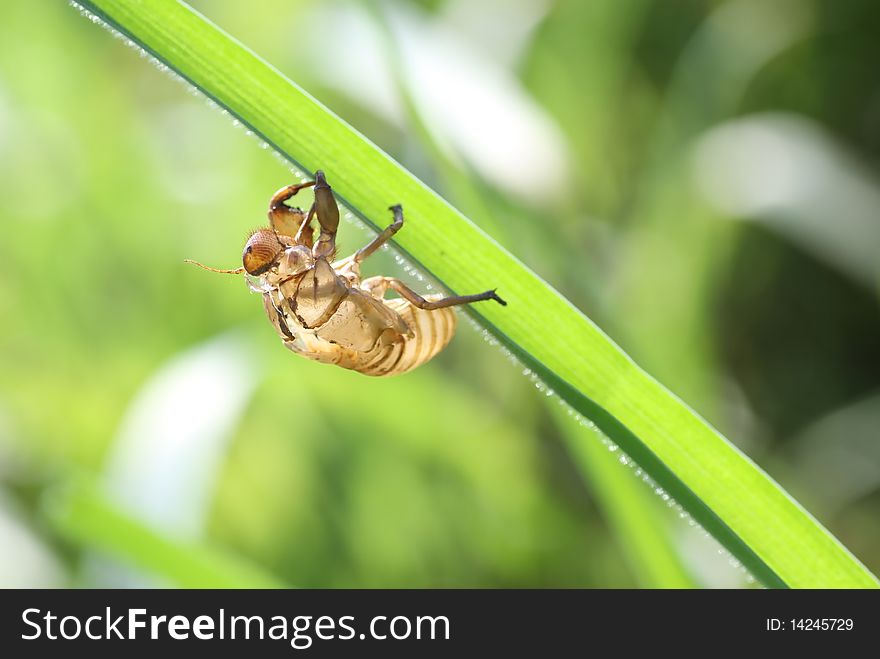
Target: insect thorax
[{"x": 319, "y": 311}]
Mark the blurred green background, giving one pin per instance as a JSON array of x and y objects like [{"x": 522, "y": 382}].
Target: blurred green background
[{"x": 701, "y": 178}]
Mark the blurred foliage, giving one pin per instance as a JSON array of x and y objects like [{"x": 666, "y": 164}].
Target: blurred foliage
[{"x": 455, "y": 475}]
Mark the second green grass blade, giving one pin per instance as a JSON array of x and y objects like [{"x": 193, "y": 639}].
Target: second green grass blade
[
  {"x": 80, "y": 514},
  {"x": 779, "y": 542}
]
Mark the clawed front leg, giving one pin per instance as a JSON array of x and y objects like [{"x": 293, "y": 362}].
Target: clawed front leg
[
  {"x": 328, "y": 217},
  {"x": 289, "y": 221}
]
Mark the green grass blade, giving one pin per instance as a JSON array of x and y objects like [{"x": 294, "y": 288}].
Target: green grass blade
[
  {"x": 779, "y": 542},
  {"x": 628, "y": 507},
  {"x": 81, "y": 515}
]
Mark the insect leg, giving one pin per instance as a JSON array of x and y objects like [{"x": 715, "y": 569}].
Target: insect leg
[
  {"x": 286, "y": 220},
  {"x": 417, "y": 300},
  {"x": 286, "y": 193},
  {"x": 375, "y": 286},
  {"x": 383, "y": 237},
  {"x": 328, "y": 217}
]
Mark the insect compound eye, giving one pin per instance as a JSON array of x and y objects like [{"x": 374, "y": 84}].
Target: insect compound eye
[{"x": 260, "y": 252}]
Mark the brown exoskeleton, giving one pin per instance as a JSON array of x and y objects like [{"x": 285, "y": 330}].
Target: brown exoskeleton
[{"x": 322, "y": 309}]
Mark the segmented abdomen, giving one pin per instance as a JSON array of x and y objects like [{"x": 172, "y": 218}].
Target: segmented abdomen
[{"x": 432, "y": 330}]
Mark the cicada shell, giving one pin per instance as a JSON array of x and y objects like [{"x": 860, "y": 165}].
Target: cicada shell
[{"x": 323, "y": 310}]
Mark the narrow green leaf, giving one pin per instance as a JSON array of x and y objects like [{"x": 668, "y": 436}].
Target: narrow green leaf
[
  {"x": 773, "y": 536},
  {"x": 627, "y": 506},
  {"x": 81, "y": 515}
]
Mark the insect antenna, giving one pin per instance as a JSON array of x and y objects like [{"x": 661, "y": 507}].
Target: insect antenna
[{"x": 236, "y": 271}]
